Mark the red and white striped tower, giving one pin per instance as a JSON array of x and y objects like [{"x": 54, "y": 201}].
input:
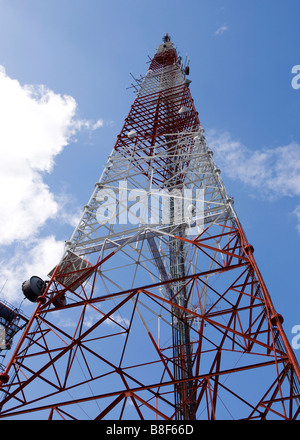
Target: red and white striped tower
[{"x": 157, "y": 309}]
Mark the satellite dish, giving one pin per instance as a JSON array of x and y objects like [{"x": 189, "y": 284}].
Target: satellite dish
[{"x": 33, "y": 288}]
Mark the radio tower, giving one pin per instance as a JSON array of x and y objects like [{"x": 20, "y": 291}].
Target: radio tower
[{"x": 157, "y": 309}]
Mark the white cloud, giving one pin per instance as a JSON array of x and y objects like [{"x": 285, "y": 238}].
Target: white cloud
[
  {"x": 36, "y": 124},
  {"x": 89, "y": 125},
  {"x": 271, "y": 172},
  {"x": 221, "y": 30},
  {"x": 113, "y": 320},
  {"x": 274, "y": 171},
  {"x": 297, "y": 213}
]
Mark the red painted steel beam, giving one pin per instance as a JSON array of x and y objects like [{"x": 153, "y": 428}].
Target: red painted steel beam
[
  {"x": 136, "y": 389},
  {"x": 269, "y": 305}
]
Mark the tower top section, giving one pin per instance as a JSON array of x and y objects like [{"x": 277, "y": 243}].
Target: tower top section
[
  {"x": 166, "y": 38},
  {"x": 166, "y": 54},
  {"x": 167, "y": 44}
]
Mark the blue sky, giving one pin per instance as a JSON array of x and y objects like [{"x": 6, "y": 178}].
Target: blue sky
[{"x": 65, "y": 68}]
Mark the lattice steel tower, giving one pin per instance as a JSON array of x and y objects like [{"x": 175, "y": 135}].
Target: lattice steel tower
[{"x": 157, "y": 309}]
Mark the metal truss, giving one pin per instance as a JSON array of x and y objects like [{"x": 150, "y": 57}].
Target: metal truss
[{"x": 153, "y": 319}]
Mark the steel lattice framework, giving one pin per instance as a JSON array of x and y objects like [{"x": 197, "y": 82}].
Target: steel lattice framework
[{"x": 163, "y": 319}]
